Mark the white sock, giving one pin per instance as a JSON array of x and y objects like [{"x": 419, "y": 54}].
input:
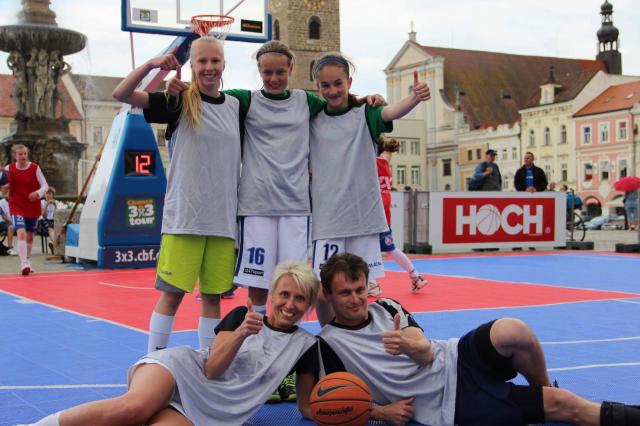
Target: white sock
[
  {"x": 50, "y": 420},
  {"x": 206, "y": 333},
  {"x": 404, "y": 262},
  {"x": 22, "y": 251},
  {"x": 160, "y": 327},
  {"x": 29, "y": 250},
  {"x": 261, "y": 309}
]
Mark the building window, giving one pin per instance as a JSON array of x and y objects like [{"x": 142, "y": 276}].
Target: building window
[
  {"x": 469, "y": 155},
  {"x": 622, "y": 131},
  {"x": 3, "y": 132},
  {"x": 314, "y": 28},
  {"x": 547, "y": 136},
  {"x": 446, "y": 167},
  {"x": 588, "y": 172},
  {"x": 415, "y": 147},
  {"x": 478, "y": 154},
  {"x": 586, "y": 135},
  {"x": 311, "y": 65},
  {"x": 622, "y": 166},
  {"x": 401, "y": 175},
  {"x": 504, "y": 154},
  {"x": 604, "y": 170},
  {"x": 564, "y": 172},
  {"x": 547, "y": 171},
  {"x": 514, "y": 153},
  {"x": 97, "y": 135},
  {"x": 402, "y": 148},
  {"x": 415, "y": 175},
  {"x": 276, "y": 30},
  {"x": 505, "y": 183},
  {"x": 604, "y": 132},
  {"x": 563, "y": 134},
  {"x": 532, "y": 138}
]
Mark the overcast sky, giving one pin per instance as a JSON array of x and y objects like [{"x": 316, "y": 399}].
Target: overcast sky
[{"x": 372, "y": 32}]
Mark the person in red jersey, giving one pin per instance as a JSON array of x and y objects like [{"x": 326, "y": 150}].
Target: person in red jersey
[{"x": 26, "y": 186}]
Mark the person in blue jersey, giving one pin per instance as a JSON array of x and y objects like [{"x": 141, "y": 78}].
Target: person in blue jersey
[
  {"x": 442, "y": 382},
  {"x": 227, "y": 383},
  {"x": 348, "y": 214},
  {"x": 199, "y": 216},
  {"x": 530, "y": 177}
]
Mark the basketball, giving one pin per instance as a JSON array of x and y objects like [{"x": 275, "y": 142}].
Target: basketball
[
  {"x": 341, "y": 399},
  {"x": 488, "y": 219}
]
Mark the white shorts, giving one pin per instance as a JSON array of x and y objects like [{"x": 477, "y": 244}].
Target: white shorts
[
  {"x": 266, "y": 241},
  {"x": 365, "y": 246}
]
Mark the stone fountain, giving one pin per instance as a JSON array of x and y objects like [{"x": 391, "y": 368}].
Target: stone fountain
[{"x": 36, "y": 47}]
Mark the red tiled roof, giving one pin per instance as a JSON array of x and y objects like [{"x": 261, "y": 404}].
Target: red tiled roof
[
  {"x": 614, "y": 98},
  {"x": 497, "y": 85},
  {"x": 8, "y": 108}
]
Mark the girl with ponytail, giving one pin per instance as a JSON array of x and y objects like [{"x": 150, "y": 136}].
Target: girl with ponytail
[{"x": 199, "y": 216}]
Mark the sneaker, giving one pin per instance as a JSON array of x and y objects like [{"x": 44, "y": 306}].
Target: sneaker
[
  {"x": 25, "y": 269},
  {"x": 373, "y": 289},
  {"x": 417, "y": 283},
  {"x": 12, "y": 252},
  {"x": 286, "y": 391}
]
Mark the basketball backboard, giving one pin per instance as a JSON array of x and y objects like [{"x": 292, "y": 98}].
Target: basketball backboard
[{"x": 173, "y": 17}]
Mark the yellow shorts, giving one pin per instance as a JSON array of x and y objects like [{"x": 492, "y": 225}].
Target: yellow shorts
[{"x": 187, "y": 258}]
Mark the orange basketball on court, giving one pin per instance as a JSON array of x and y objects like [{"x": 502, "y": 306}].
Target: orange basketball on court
[{"x": 341, "y": 399}]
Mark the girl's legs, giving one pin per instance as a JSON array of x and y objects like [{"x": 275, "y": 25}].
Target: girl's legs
[
  {"x": 52, "y": 239},
  {"x": 150, "y": 391},
  {"x": 169, "y": 417},
  {"x": 21, "y": 247},
  {"x": 161, "y": 323},
  {"x": 209, "y": 319}
]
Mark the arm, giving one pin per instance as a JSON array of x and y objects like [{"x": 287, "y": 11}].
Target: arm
[
  {"x": 541, "y": 183},
  {"x": 324, "y": 311},
  {"x": 225, "y": 347},
  {"x": 125, "y": 91},
  {"x": 39, "y": 193},
  {"x": 410, "y": 341},
  {"x": 400, "y": 109},
  {"x": 518, "y": 181},
  {"x": 480, "y": 172},
  {"x": 396, "y": 413},
  {"x": 304, "y": 386}
]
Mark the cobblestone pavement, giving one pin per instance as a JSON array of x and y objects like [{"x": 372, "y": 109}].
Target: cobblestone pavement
[{"x": 603, "y": 241}]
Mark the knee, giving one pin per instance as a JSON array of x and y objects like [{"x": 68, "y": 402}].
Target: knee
[
  {"x": 512, "y": 333},
  {"x": 171, "y": 301},
  {"x": 562, "y": 405}
]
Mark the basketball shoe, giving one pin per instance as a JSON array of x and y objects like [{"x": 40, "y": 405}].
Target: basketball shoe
[
  {"x": 286, "y": 390},
  {"x": 417, "y": 283}
]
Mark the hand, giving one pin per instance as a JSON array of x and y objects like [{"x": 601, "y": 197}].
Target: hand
[
  {"x": 176, "y": 86},
  {"x": 165, "y": 62},
  {"x": 488, "y": 171},
  {"x": 376, "y": 100},
  {"x": 397, "y": 413},
  {"x": 531, "y": 189},
  {"x": 420, "y": 90},
  {"x": 252, "y": 323},
  {"x": 34, "y": 196},
  {"x": 395, "y": 342}
]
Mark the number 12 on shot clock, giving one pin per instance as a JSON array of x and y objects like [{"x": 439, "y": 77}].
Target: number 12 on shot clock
[{"x": 139, "y": 163}]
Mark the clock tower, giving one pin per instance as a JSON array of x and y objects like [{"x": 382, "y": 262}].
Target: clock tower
[{"x": 309, "y": 28}]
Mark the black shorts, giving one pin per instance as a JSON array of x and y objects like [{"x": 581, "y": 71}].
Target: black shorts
[
  {"x": 484, "y": 396},
  {"x": 4, "y": 226}
]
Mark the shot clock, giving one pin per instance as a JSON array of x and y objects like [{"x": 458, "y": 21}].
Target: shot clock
[{"x": 121, "y": 221}]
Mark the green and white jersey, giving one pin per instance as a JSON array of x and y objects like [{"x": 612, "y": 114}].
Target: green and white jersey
[
  {"x": 261, "y": 363},
  {"x": 344, "y": 187},
  {"x": 359, "y": 350},
  {"x": 202, "y": 184},
  {"x": 275, "y": 157}
]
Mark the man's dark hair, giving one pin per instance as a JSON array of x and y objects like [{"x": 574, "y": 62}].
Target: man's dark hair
[{"x": 351, "y": 265}]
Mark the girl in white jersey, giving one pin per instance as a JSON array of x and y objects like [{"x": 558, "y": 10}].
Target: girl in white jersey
[
  {"x": 347, "y": 208},
  {"x": 199, "y": 216},
  {"x": 227, "y": 384}
]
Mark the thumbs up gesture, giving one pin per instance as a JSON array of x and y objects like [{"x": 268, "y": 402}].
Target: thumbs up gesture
[
  {"x": 394, "y": 341},
  {"x": 252, "y": 323},
  {"x": 420, "y": 90}
]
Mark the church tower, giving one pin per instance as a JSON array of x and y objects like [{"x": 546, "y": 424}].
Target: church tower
[
  {"x": 309, "y": 28},
  {"x": 608, "y": 41}
]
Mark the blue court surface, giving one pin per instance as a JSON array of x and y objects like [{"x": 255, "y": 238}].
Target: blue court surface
[{"x": 51, "y": 359}]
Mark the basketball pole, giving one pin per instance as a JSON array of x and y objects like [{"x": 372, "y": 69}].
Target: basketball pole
[{"x": 131, "y": 49}]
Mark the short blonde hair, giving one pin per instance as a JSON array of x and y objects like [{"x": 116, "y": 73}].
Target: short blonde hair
[{"x": 302, "y": 274}]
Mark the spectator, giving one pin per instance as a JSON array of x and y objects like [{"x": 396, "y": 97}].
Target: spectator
[
  {"x": 631, "y": 208},
  {"x": 529, "y": 177},
  {"x": 486, "y": 176},
  {"x": 552, "y": 186},
  {"x": 6, "y": 225},
  {"x": 48, "y": 213}
]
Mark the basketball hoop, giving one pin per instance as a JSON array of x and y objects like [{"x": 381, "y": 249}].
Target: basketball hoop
[{"x": 217, "y": 26}]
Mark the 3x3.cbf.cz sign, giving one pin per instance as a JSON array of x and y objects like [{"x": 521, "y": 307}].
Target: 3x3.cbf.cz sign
[{"x": 496, "y": 219}]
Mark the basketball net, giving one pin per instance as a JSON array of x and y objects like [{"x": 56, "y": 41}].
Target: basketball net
[{"x": 217, "y": 26}]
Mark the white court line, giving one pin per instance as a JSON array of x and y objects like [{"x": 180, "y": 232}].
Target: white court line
[
  {"x": 628, "y": 301},
  {"x": 578, "y": 342},
  {"x": 586, "y": 367},
  {"x": 19, "y": 297},
  {"x": 62, "y": 387},
  {"x": 125, "y": 286}
]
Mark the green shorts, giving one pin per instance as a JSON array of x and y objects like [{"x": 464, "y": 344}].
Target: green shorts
[{"x": 187, "y": 258}]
